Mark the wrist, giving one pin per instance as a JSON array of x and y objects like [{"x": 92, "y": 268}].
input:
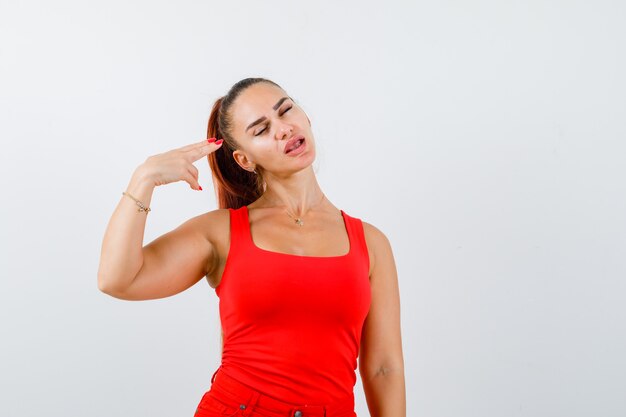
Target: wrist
[{"x": 141, "y": 181}]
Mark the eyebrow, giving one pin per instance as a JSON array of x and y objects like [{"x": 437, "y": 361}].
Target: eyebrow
[{"x": 260, "y": 119}]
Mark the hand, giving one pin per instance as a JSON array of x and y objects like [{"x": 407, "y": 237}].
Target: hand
[{"x": 177, "y": 164}]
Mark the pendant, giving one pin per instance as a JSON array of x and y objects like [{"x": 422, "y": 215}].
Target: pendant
[{"x": 299, "y": 222}]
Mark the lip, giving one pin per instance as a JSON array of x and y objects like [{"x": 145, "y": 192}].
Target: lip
[{"x": 291, "y": 142}]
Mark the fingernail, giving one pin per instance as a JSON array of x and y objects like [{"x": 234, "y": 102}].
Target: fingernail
[
  {"x": 199, "y": 186},
  {"x": 217, "y": 142},
  {"x": 211, "y": 140}
]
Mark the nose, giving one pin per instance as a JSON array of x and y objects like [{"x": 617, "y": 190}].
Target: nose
[{"x": 284, "y": 131}]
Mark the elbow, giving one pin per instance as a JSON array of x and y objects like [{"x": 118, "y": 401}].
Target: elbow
[
  {"x": 388, "y": 370},
  {"x": 384, "y": 368},
  {"x": 107, "y": 288},
  {"x": 104, "y": 286},
  {"x": 382, "y": 373}
]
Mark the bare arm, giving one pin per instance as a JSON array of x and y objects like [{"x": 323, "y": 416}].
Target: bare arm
[
  {"x": 121, "y": 255},
  {"x": 170, "y": 263},
  {"x": 381, "y": 363}
]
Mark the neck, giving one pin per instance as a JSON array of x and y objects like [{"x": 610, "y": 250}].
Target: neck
[{"x": 297, "y": 193}]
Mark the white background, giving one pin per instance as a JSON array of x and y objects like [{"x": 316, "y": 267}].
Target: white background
[{"x": 484, "y": 138}]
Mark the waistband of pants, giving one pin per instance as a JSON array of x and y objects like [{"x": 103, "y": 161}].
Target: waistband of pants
[{"x": 251, "y": 400}]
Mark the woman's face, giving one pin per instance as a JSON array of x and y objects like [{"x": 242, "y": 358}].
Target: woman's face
[{"x": 264, "y": 120}]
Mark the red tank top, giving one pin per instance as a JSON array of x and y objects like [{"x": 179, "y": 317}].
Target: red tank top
[{"x": 292, "y": 324}]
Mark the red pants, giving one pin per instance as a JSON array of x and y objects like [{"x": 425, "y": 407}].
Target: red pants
[{"x": 228, "y": 397}]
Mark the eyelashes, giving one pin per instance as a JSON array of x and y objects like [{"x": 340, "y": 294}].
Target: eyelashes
[{"x": 265, "y": 128}]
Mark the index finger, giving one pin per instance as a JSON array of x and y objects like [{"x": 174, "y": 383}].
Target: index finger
[
  {"x": 194, "y": 145},
  {"x": 203, "y": 149}
]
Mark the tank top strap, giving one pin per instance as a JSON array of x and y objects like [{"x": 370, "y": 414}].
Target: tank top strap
[
  {"x": 355, "y": 228},
  {"x": 238, "y": 228}
]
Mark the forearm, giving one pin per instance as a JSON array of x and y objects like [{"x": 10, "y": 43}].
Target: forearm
[
  {"x": 121, "y": 255},
  {"x": 385, "y": 393}
]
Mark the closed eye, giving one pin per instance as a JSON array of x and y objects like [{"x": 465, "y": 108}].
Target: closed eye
[{"x": 265, "y": 128}]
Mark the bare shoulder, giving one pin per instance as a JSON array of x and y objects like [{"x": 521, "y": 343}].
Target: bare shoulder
[
  {"x": 378, "y": 244},
  {"x": 210, "y": 225},
  {"x": 214, "y": 225}
]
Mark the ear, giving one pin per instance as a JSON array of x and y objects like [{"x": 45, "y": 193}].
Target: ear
[{"x": 242, "y": 160}]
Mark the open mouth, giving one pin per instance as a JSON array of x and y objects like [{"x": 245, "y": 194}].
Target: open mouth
[{"x": 294, "y": 145}]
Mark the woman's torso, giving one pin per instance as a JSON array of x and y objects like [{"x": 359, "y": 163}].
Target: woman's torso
[{"x": 292, "y": 313}]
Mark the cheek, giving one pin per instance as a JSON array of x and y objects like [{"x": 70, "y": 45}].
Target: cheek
[{"x": 268, "y": 149}]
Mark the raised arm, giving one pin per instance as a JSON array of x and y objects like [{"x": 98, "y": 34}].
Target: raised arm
[{"x": 174, "y": 261}]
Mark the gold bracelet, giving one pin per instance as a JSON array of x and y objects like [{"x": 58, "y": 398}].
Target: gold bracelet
[{"x": 139, "y": 203}]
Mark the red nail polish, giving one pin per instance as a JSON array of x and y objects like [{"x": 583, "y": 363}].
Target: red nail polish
[
  {"x": 199, "y": 186},
  {"x": 211, "y": 140},
  {"x": 217, "y": 142}
]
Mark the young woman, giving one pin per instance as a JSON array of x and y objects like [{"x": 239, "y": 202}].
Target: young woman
[{"x": 305, "y": 289}]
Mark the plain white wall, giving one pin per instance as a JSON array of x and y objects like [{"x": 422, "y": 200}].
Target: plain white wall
[{"x": 485, "y": 138}]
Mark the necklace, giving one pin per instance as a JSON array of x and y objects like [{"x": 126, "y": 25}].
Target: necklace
[{"x": 299, "y": 220}]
